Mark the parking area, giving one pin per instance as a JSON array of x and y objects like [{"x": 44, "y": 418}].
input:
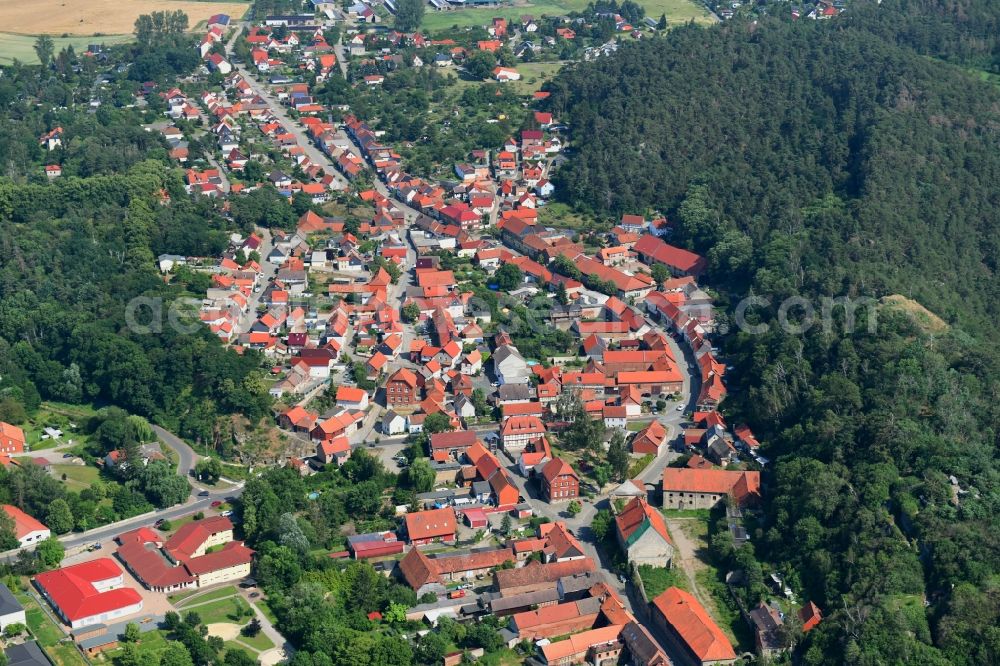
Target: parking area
[{"x": 386, "y": 451}]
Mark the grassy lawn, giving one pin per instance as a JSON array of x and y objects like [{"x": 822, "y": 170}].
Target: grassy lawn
[
  {"x": 222, "y": 610},
  {"x": 22, "y": 47},
  {"x": 677, "y": 11},
  {"x": 78, "y": 477},
  {"x": 657, "y": 579},
  {"x": 236, "y": 645},
  {"x": 265, "y": 610},
  {"x": 636, "y": 426},
  {"x": 65, "y": 654},
  {"x": 726, "y": 612},
  {"x": 700, "y": 514},
  {"x": 637, "y": 466},
  {"x": 534, "y": 74},
  {"x": 561, "y": 216},
  {"x": 191, "y": 600},
  {"x": 260, "y": 642},
  {"x": 151, "y": 645},
  {"x": 42, "y": 628},
  {"x": 176, "y": 524}
]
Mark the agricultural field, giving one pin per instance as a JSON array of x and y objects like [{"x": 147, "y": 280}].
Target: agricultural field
[
  {"x": 21, "y": 47},
  {"x": 101, "y": 17},
  {"x": 79, "y": 24},
  {"x": 677, "y": 11}
]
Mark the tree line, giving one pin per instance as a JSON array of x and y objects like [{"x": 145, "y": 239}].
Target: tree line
[{"x": 823, "y": 159}]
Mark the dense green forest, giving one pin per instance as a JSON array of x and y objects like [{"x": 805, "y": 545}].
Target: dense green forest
[
  {"x": 828, "y": 159},
  {"x": 77, "y": 251}
]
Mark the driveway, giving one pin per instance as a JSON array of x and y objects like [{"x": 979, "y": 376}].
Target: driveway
[
  {"x": 687, "y": 557},
  {"x": 268, "y": 272}
]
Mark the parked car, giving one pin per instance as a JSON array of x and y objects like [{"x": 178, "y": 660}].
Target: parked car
[
  {"x": 680, "y": 408},
  {"x": 456, "y": 594},
  {"x": 203, "y": 493},
  {"x": 226, "y": 514},
  {"x": 216, "y": 504}
]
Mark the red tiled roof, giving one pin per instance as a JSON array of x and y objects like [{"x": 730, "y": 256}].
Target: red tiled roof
[
  {"x": 417, "y": 569},
  {"x": 519, "y": 425},
  {"x": 453, "y": 439},
  {"x": 432, "y": 524},
  {"x": 546, "y": 615},
  {"x": 638, "y": 513},
  {"x": 692, "y": 623},
  {"x": 676, "y": 257},
  {"x": 185, "y": 541},
  {"x": 743, "y": 485},
  {"x": 404, "y": 375},
  {"x": 541, "y": 573},
  {"x": 579, "y": 643},
  {"x": 350, "y": 394},
  {"x": 232, "y": 554},
  {"x": 72, "y": 589},
  {"x": 140, "y": 535},
  {"x": 23, "y": 523},
  {"x": 151, "y": 566},
  {"x": 650, "y": 376},
  {"x": 557, "y": 467}
]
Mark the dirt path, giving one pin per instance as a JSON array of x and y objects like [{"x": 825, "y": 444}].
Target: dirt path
[{"x": 687, "y": 557}]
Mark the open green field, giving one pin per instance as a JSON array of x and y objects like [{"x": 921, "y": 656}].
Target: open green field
[
  {"x": 677, "y": 11},
  {"x": 657, "y": 579},
  {"x": 260, "y": 642},
  {"x": 699, "y": 514},
  {"x": 194, "y": 598},
  {"x": 42, "y": 628},
  {"x": 534, "y": 74},
  {"x": 559, "y": 215},
  {"x": 22, "y": 47},
  {"x": 66, "y": 654},
  {"x": 221, "y": 610},
  {"x": 78, "y": 477}
]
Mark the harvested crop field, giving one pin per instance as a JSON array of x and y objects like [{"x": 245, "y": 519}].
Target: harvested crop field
[{"x": 109, "y": 17}]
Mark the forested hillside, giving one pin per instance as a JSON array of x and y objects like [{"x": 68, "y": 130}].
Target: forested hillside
[
  {"x": 830, "y": 159},
  {"x": 74, "y": 254}
]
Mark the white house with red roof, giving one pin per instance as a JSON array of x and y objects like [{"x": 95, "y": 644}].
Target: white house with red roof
[
  {"x": 89, "y": 593},
  {"x": 350, "y": 397},
  {"x": 27, "y": 529}
]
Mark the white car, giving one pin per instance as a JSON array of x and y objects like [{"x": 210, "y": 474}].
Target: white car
[{"x": 680, "y": 408}]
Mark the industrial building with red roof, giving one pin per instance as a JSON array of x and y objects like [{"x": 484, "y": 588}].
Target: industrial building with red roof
[
  {"x": 89, "y": 593},
  {"x": 190, "y": 558},
  {"x": 692, "y": 631}
]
